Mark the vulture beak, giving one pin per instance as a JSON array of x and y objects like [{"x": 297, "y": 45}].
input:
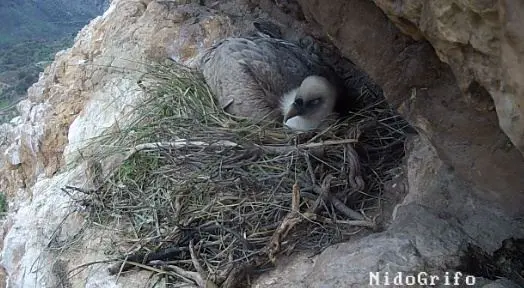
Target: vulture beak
[{"x": 291, "y": 113}]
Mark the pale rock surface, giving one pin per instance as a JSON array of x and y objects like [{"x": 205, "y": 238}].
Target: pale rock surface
[
  {"x": 438, "y": 217},
  {"x": 483, "y": 43},
  {"x": 501, "y": 283}
]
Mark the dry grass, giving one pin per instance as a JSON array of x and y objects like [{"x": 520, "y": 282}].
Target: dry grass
[{"x": 211, "y": 198}]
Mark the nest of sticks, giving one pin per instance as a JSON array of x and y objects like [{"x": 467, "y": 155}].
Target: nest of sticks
[{"x": 209, "y": 199}]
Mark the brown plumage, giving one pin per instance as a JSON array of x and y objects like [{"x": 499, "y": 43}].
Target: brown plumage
[{"x": 251, "y": 76}]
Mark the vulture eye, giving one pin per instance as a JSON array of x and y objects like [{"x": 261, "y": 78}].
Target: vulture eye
[
  {"x": 299, "y": 102},
  {"x": 314, "y": 102}
]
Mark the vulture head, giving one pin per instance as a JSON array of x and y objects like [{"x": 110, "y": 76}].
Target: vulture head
[{"x": 308, "y": 106}]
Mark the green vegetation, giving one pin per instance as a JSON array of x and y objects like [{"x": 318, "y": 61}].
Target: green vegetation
[
  {"x": 3, "y": 104},
  {"x": 19, "y": 66},
  {"x": 3, "y": 203},
  {"x": 30, "y": 35},
  {"x": 44, "y": 19}
]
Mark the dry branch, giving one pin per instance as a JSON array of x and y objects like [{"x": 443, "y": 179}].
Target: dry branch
[
  {"x": 290, "y": 221},
  {"x": 144, "y": 258}
]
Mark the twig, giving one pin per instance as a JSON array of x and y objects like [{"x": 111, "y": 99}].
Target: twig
[
  {"x": 345, "y": 209},
  {"x": 165, "y": 254},
  {"x": 217, "y": 226},
  {"x": 323, "y": 193},
  {"x": 295, "y": 199},
  {"x": 203, "y": 280},
  {"x": 313, "y": 145},
  {"x": 325, "y": 196},
  {"x": 360, "y": 223},
  {"x": 225, "y": 143},
  {"x": 223, "y": 275},
  {"x": 236, "y": 275},
  {"x": 355, "y": 179},
  {"x": 182, "y": 143},
  {"x": 121, "y": 268},
  {"x": 290, "y": 221},
  {"x": 84, "y": 191},
  {"x": 184, "y": 274},
  {"x": 89, "y": 264},
  {"x": 310, "y": 168}
]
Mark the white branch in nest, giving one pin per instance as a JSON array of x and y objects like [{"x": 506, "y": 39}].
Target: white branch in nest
[
  {"x": 177, "y": 144},
  {"x": 226, "y": 143},
  {"x": 182, "y": 143}
]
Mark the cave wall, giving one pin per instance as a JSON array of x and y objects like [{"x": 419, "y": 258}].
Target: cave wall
[
  {"x": 427, "y": 92},
  {"x": 483, "y": 43}
]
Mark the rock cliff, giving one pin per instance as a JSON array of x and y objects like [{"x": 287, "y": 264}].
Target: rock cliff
[
  {"x": 450, "y": 106},
  {"x": 481, "y": 43},
  {"x": 453, "y": 69}
]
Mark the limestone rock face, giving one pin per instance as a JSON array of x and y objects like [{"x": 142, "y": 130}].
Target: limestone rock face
[
  {"x": 88, "y": 89},
  {"x": 430, "y": 93},
  {"x": 481, "y": 43}
]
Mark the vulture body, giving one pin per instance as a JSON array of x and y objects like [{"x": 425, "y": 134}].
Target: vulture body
[{"x": 261, "y": 77}]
